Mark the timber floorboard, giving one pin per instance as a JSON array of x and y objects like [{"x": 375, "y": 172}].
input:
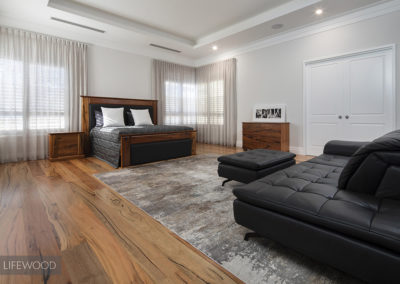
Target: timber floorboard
[{"x": 60, "y": 209}]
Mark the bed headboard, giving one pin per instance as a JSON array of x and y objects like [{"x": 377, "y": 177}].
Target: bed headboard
[{"x": 90, "y": 104}]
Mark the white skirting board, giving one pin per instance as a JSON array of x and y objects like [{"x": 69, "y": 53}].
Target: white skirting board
[
  {"x": 297, "y": 150},
  {"x": 293, "y": 149}
]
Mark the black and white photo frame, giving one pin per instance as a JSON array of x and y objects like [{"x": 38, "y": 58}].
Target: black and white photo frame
[{"x": 269, "y": 113}]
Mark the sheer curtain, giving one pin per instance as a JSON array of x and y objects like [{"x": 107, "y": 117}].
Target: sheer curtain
[
  {"x": 203, "y": 97},
  {"x": 216, "y": 103},
  {"x": 174, "y": 86},
  {"x": 41, "y": 79}
]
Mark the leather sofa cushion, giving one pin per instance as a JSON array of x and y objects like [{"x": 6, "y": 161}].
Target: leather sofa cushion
[
  {"x": 309, "y": 192},
  {"x": 256, "y": 159},
  {"x": 362, "y": 161},
  {"x": 247, "y": 175},
  {"x": 376, "y": 176},
  {"x": 342, "y": 148}
]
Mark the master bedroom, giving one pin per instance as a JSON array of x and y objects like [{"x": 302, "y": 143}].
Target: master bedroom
[{"x": 188, "y": 141}]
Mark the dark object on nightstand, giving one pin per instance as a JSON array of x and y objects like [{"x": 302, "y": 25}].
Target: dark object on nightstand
[
  {"x": 66, "y": 145},
  {"x": 266, "y": 135}
]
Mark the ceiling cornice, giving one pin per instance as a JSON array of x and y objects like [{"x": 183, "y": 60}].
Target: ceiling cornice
[
  {"x": 351, "y": 18},
  {"x": 111, "y": 19},
  {"x": 259, "y": 19}
]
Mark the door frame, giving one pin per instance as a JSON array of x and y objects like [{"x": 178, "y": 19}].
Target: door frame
[{"x": 389, "y": 47}]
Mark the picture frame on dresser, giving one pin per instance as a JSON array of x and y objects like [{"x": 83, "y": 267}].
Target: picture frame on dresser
[{"x": 269, "y": 113}]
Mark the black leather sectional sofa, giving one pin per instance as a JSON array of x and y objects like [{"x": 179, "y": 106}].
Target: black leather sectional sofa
[{"x": 341, "y": 208}]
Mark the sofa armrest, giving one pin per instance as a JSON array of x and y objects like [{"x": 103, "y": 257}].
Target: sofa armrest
[{"x": 342, "y": 148}]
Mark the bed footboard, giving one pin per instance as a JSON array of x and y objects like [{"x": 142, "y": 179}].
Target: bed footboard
[{"x": 128, "y": 139}]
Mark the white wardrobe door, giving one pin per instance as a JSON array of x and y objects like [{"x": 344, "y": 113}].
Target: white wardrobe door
[
  {"x": 350, "y": 98},
  {"x": 368, "y": 97},
  {"x": 324, "y": 105}
]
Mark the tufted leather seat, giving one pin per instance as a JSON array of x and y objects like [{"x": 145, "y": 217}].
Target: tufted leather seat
[
  {"x": 342, "y": 207},
  {"x": 308, "y": 191},
  {"x": 254, "y": 164},
  {"x": 256, "y": 159}
]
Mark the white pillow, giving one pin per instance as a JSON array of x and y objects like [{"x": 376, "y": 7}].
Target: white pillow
[
  {"x": 141, "y": 117},
  {"x": 113, "y": 116}
]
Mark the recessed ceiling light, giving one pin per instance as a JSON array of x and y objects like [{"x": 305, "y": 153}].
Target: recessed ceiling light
[
  {"x": 277, "y": 26},
  {"x": 215, "y": 47},
  {"x": 319, "y": 12}
]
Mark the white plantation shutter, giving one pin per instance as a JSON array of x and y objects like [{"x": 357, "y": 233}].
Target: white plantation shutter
[
  {"x": 210, "y": 101},
  {"x": 47, "y": 98},
  {"x": 41, "y": 79},
  {"x": 11, "y": 92},
  {"x": 43, "y": 110},
  {"x": 203, "y": 97},
  {"x": 180, "y": 104}
]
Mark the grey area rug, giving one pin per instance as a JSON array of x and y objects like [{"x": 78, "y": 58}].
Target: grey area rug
[{"x": 186, "y": 196}]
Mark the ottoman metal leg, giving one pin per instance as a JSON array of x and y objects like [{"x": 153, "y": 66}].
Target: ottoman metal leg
[
  {"x": 251, "y": 235},
  {"x": 225, "y": 181}
]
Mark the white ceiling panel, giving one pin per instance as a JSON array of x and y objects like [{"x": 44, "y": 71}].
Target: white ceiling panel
[{"x": 190, "y": 26}]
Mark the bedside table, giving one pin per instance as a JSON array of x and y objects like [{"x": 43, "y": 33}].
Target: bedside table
[{"x": 66, "y": 145}]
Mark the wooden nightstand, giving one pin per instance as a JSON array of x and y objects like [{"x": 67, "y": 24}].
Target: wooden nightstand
[{"x": 66, "y": 145}]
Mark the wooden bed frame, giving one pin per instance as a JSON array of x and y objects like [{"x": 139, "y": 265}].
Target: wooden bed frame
[{"x": 128, "y": 139}]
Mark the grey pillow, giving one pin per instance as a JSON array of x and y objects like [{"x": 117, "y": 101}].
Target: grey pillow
[
  {"x": 130, "y": 119},
  {"x": 99, "y": 118}
]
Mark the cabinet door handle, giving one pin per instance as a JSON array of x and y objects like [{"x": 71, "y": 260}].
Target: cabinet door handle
[
  {"x": 347, "y": 117},
  {"x": 340, "y": 117}
]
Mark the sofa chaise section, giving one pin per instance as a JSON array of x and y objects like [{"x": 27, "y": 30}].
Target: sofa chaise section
[{"x": 304, "y": 208}]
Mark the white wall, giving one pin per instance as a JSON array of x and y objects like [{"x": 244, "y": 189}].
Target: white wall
[
  {"x": 113, "y": 73},
  {"x": 269, "y": 75},
  {"x": 275, "y": 74}
]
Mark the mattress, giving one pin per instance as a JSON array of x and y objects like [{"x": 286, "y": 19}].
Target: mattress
[{"x": 106, "y": 143}]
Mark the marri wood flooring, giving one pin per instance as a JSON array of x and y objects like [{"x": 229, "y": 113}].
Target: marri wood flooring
[{"x": 59, "y": 208}]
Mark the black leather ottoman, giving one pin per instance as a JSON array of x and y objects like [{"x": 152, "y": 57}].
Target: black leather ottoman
[{"x": 254, "y": 164}]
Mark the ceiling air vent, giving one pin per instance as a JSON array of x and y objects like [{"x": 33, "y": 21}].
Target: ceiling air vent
[
  {"x": 76, "y": 24},
  {"x": 164, "y": 47},
  {"x": 277, "y": 26}
]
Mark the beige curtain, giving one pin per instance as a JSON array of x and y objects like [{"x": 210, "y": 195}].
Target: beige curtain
[
  {"x": 41, "y": 80},
  {"x": 173, "y": 86},
  {"x": 216, "y": 107},
  {"x": 204, "y": 98}
]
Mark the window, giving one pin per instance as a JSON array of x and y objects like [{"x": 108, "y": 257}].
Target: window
[
  {"x": 180, "y": 103},
  {"x": 11, "y": 84},
  {"x": 32, "y": 96},
  {"x": 190, "y": 104},
  {"x": 211, "y": 103},
  {"x": 46, "y": 99}
]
